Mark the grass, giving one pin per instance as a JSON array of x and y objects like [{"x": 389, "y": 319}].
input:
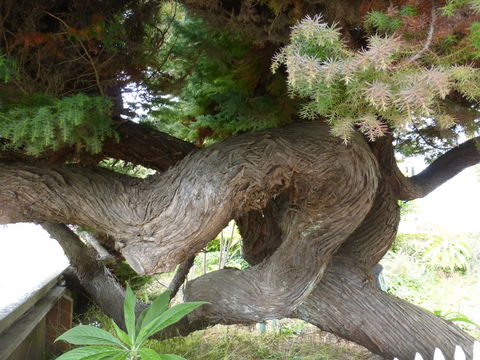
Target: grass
[{"x": 241, "y": 343}]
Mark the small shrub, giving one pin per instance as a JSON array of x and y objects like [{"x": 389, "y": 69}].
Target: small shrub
[{"x": 127, "y": 345}]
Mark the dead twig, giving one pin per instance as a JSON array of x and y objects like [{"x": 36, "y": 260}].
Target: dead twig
[
  {"x": 85, "y": 50},
  {"x": 429, "y": 39}
]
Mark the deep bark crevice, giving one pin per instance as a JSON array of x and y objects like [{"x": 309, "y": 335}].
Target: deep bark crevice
[{"x": 260, "y": 229}]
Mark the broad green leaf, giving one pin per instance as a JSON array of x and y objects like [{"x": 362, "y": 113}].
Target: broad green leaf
[
  {"x": 122, "y": 356},
  {"x": 129, "y": 313},
  {"x": 122, "y": 335},
  {"x": 140, "y": 320},
  {"x": 89, "y": 335},
  {"x": 92, "y": 353},
  {"x": 149, "y": 354},
  {"x": 169, "y": 317},
  {"x": 156, "y": 308}
]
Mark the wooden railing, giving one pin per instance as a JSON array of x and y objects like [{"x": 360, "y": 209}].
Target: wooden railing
[{"x": 28, "y": 330}]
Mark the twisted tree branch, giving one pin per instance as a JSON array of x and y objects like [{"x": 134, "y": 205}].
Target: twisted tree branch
[
  {"x": 180, "y": 276},
  {"x": 439, "y": 171}
]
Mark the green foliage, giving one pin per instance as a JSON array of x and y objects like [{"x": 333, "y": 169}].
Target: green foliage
[
  {"x": 442, "y": 251},
  {"x": 406, "y": 207},
  {"x": 103, "y": 345},
  {"x": 475, "y": 6},
  {"x": 455, "y": 317},
  {"x": 123, "y": 167},
  {"x": 475, "y": 37},
  {"x": 448, "y": 253},
  {"x": 388, "y": 23},
  {"x": 223, "y": 92},
  {"x": 371, "y": 89},
  {"x": 452, "y": 6},
  {"x": 410, "y": 244},
  {"x": 224, "y": 250},
  {"x": 41, "y": 122},
  {"x": 408, "y": 10},
  {"x": 427, "y": 141},
  {"x": 382, "y": 22},
  {"x": 7, "y": 69},
  {"x": 422, "y": 276},
  {"x": 215, "y": 259},
  {"x": 405, "y": 277},
  {"x": 126, "y": 275}
]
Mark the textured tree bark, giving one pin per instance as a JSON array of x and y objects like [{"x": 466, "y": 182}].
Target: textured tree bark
[
  {"x": 180, "y": 276},
  {"x": 102, "y": 287},
  {"x": 302, "y": 199},
  {"x": 382, "y": 323},
  {"x": 161, "y": 221},
  {"x": 304, "y": 203},
  {"x": 344, "y": 304},
  {"x": 313, "y": 227},
  {"x": 95, "y": 278}
]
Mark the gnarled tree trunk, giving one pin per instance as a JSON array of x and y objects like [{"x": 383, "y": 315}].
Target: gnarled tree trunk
[{"x": 316, "y": 215}]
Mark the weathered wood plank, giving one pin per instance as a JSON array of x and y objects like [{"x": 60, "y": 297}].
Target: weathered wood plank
[
  {"x": 8, "y": 318},
  {"x": 14, "y": 336}
]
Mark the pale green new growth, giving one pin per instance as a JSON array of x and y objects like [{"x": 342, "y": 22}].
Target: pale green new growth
[{"x": 372, "y": 89}]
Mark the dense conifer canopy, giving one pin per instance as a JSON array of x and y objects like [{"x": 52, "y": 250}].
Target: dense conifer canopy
[{"x": 202, "y": 71}]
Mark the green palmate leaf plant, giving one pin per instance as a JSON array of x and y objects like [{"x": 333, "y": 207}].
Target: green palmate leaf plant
[
  {"x": 102, "y": 345},
  {"x": 384, "y": 85}
]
